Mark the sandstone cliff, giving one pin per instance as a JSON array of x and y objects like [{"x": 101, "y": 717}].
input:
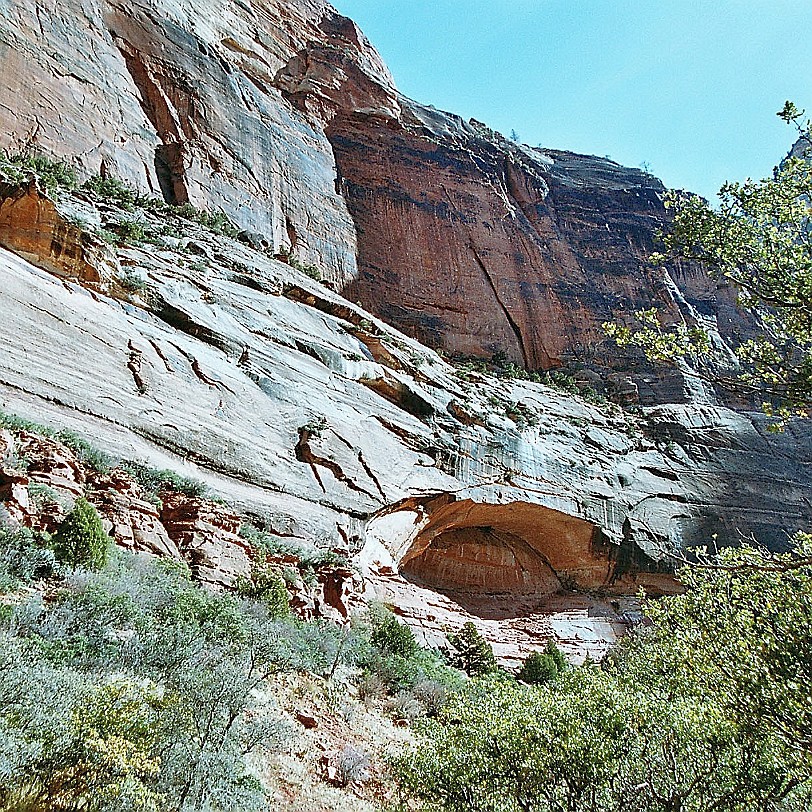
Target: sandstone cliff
[
  {"x": 456, "y": 493},
  {"x": 282, "y": 115}
]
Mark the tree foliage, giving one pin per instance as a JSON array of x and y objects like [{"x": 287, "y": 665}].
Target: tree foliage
[
  {"x": 134, "y": 684},
  {"x": 542, "y": 666},
  {"x": 758, "y": 237},
  {"x": 81, "y": 541},
  {"x": 707, "y": 708},
  {"x": 470, "y": 652}
]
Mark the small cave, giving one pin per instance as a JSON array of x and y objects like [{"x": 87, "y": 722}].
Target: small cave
[{"x": 471, "y": 551}]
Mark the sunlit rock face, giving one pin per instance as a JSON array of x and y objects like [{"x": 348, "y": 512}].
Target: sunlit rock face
[
  {"x": 456, "y": 495},
  {"x": 282, "y": 115},
  {"x": 502, "y": 500},
  {"x": 178, "y": 99},
  {"x": 31, "y": 226}
]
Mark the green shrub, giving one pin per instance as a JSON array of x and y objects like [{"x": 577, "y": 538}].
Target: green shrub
[
  {"x": 309, "y": 556},
  {"x": 24, "y": 557},
  {"x": 16, "y": 424},
  {"x": 154, "y": 480},
  {"x": 393, "y": 662},
  {"x": 87, "y": 454},
  {"x": 80, "y": 540},
  {"x": 131, "y": 231},
  {"x": 268, "y": 586},
  {"x": 15, "y": 462},
  {"x": 42, "y": 495},
  {"x": 54, "y": 174},
  {"x": 131, "y": 281},
  {"x": 470, "y": 652},
  {"x": 141, "y": 623},
  {"x": 216, "y": 222},
  {"x": 389, "y": 635},
  {"x": 112, "y": 190},
  {"x": 541, "y": 667},
  {"x": 705, "y": 708}
]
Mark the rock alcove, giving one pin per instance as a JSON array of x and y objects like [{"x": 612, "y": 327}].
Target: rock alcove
[
  {"x": 523, "y": 573},
  {"x": 517, "y": 549}
]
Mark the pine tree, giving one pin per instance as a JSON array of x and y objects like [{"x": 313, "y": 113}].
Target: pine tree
[
  {"x": 471, "y": 652},
  {"x": 81, "y": 540}
]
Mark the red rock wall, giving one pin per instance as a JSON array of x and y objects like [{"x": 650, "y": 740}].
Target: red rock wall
[
  {"x": 445, "y": 229},
  {"x": 479, "y": 247}
]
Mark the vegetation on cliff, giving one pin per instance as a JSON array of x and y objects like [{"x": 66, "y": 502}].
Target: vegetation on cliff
[
  {"x": 758, "y": 239},
  {"x": 134, "y": 688}
]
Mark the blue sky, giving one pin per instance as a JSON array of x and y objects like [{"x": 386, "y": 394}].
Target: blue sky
[{"x": 690, "y": 87}]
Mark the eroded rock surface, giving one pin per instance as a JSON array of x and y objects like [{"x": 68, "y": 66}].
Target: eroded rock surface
[
  {"x": 300, "y": 408},
  {"x": 33, "y": 227},
  {"x": 207, "y": 535},
  {"x": 460, "y": 494},
  {"x": 133, "y": 521},
  {"x": 281, "y": 114},
  {"x": 179, "y": 100}
]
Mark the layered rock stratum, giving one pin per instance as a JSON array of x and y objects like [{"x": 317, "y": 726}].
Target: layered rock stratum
[
  {"x": 457, "y": 494},
  {"x": 282, "y": 115}
]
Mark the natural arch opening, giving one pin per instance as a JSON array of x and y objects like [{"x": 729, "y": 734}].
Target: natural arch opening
[{"x": 523, "y": 573}]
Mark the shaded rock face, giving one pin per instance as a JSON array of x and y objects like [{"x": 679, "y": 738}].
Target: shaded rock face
[
  {"x": 522, "y": 573},
  {"x": 482, "y": 247},
  {"x": 519, "y": 548}
]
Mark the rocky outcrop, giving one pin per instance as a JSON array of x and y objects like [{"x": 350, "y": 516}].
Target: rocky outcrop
[
  {"x": 447, "y": 487},
  {"x": 14, "y": 494},
  {"x": 33, "y": 227},
  {"x": 332, "y": 591},
  {"x": 207, "y": 535},
  {"x": 41, "y": 477},
  {"x": 133, "y": 521}
]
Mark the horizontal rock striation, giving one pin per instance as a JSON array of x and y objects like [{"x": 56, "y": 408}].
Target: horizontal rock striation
[
  {"x": 306, "y": 412},
  {"x": 482, "y": 247}
]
